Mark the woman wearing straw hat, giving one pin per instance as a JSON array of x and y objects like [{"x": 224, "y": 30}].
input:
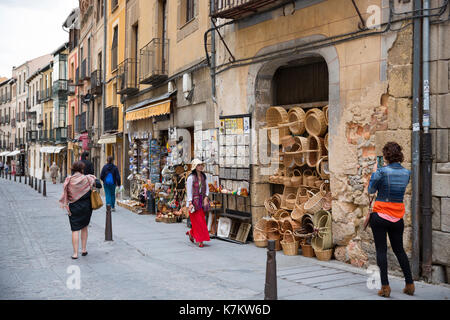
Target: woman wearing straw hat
[{"x": 197, "y": 201}]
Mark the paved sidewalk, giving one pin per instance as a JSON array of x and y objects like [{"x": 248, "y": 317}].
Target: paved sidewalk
[{"x": 149, "y": 260}]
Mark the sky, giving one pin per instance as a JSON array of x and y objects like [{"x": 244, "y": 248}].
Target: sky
[{"x": 30, "y": 29}]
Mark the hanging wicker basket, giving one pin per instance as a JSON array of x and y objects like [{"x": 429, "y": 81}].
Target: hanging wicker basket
[
  {"x": 285, "y": 225},
  {"x": 281, "y": 215},
  {"x": 270, "y": 206},
  {"x": 315, "y": 122},
  {"x": 316, "y": 149},
  {"x": 297, "y": 178},
  {"x": 300, "y": 157},
  {"x": 298, "y": 213},
  {"x": 302, "y": 196},
  {"x": 296, "y": 118},
  {"x": 322, "y": 167},
  {"x": 325, "y": 112},
  {"x": 290, "y": 201},
  {"x": 276, "y": 119},
  {"x": 290, "y": 244},
  {"x": 325, "y": 141}
]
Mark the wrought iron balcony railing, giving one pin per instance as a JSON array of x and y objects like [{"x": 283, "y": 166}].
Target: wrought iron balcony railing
[
  {"x": 84, "y": 70},
  {"x": 42, "y": 135},
  {"x": 13, "y": 123},
  {"x": 111, "y": 119},
  {"x": 127, "y": 77},
  {"x": 236, "y": 9},
  {"x": 71, "y": 88},
  {"x": 80, "y": 122},
  {"x": 32, "y": 135},
  {"x": 154, "y": 62},
  {"x": 96, "y": 82},
  {"x": 60, "y": 135},
  {"x": 60, "y": 86}
]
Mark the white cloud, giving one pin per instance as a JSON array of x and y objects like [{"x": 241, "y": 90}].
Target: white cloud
[{"x": 29, "y": 29}]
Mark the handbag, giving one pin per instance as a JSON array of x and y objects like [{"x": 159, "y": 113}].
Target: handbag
[{"x": 96, "y": 200}]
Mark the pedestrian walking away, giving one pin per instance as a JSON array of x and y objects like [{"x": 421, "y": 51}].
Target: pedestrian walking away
[
  {"x": 386, "y": 218},
  {"x": 197, "y": 201},
  {"x": 88, "y": 166},
  {"x": 76, "y": 200},
  {"x": 54, "y": 172},
  {"x": 1, "y": 167},
  {"x": 111, "y": 179},
  {"x": 6, "y": 169}
]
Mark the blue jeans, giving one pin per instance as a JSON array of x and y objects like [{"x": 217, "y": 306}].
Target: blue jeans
[{"x": 110, "y": 194}]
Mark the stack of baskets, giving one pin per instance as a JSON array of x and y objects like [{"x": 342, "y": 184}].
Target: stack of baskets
[{"x": 301, "y": 133}]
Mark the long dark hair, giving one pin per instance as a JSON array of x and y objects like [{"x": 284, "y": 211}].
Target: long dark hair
[{"x": 194, "y": 172}]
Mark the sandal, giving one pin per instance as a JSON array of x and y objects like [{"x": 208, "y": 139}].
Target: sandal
[
  {"x": 190, "y": 236},
  {"x": 84, "y": 254},
  {"x": 74, "y": 258}
]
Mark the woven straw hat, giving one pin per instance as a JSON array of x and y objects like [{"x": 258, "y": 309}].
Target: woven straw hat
[{"x": 195, "y": 163}]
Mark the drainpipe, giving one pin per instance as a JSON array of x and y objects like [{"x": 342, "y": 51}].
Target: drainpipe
[
  {"x": 415, "y": 145},
  {"x": 426, "y": 155},
  {"x": 105, "y": 36},
  {"x": 213, "y": 58}
]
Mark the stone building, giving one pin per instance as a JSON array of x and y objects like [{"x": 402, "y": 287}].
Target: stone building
[{"x": 360, "y": 57}]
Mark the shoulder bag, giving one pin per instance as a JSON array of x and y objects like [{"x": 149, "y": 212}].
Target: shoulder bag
[{"x": 96, "y": 200}]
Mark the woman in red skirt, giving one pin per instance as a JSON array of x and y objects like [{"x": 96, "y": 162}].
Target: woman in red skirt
[{"x": 197, "y": 193}]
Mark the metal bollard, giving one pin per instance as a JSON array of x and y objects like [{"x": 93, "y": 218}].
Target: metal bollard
[
  {"x": 10, "y": 176},
  {"x": 108, "y": 224},
  {"x": 35, "y": 184},
  {"x": 20, "y": 179},
  {"x": 44, "y": 190},
  {"x": 25, "y": 179},
  {"x": 270, "y": 290},
  {"x": 39, "y": 188},
  {"x": 15, "y": 177}
]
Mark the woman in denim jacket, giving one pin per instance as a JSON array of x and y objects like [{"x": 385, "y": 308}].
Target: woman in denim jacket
[{"x": 387, "y": 217}]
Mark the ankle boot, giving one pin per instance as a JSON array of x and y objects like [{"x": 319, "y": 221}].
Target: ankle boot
[
  {"x": 385, "y": 291},
  {"x": 409, "y": 289}
]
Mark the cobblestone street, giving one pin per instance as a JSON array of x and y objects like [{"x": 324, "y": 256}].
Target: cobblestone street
[{"x": 149, "y": 260}]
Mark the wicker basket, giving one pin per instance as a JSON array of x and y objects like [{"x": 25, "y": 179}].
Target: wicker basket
[
  {"x": 289, "y": 244},
  {"x": 300, "y": 156},
  {"x": 322, "y": 167},
  {"x": 302, "y": 196},
  {"x": 325, "y": 112},
  {"x": 259, "y": 238},
  {"x": 307, "y": 250},
  {"x": 316, "y": 149},
  {"x": 295, "y": 224},
  {"x": 276, "y": 198},
  {"x": 276, "y": 119},
  {"x": 325, "y": 141},
  {"x": 280, "y": 215},
  {"x": 272, "y": 229},
  {"x": 297, "y": 178},
  {"x": 298, "y": 212},
  {"x": 270, "y": 206},
  {"x": 314, "y": 204},
  {"x": 296, "y": 117},
  {"x": 287, "y": 141},
  {"x": 315, "y": 122},
  {"x": 324, "y": 255},
  {"x": 290, "y": 201}
]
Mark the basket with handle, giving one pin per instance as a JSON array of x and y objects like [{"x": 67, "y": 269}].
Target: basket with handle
[
  {"x": 301, "y": 150},
  {"x": 281, "y": 215},
  {"x": 324, "y": 255},
  {"x": 296, "y": 179},
  {"x": 287, "y": 141},
  {"x": 310, "y": 180},
  {"x": 325, "y": 112},
  {"x": 307, "y": 250},
  {"x": 325, "y": 141},
  {"x": 296, "y": 118},
  {"x": 306, "y": 174},
  {"x": 270, "y": 206},
  {"x": 298, "y": 212},
  {"x": 322, "y": 238},
  {"x": 290, "y": 201},
  {"x": 290, "y": 244},
  {"x": 276, "y": 118},
  {"x": 285, "y": 225},
  {"x": 314, "y": 204},
  {"x": 322, "y": 167},
  {"x": 315, "y": 122},
  {"x": 316, "y": 149},
  {"x": 276, "y": 199},
  {"x": 287, "y": 180},
  {"x": 260, "y": 233},
  {"x": 272, "y": 229},
  {"x": 302, "y": 195},
  {"x": 295, "y": 224}
]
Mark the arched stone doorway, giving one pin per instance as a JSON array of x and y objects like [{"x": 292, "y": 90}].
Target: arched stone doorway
[{"x": 261, "y": 94}]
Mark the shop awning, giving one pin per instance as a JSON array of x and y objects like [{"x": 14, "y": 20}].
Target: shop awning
[
  {"x": 107, "y": 139},
  {"x": 58, "y": 149},
  {"x": 12, "y": 154},
  {"x": 149, "y": 111},
  {"x": 150, "y": 108},
  {"x": 4, "y": 153},
  {"x": 47, "y": 150}
]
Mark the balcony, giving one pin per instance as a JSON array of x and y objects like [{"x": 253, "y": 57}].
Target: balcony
[
  {"x": 32, "y": 135},
  {"x": 60, "y": 135},
  {"x": 60, "y": 86},
  {"x": 80, "y": 123},
  {"x": 84, "y": 70},
  {"x": 96, "y": 82},
  {"x": 51, "y": 135},
  {"x": 23, "y": 116},
  {"x": 37, "y": 98},
  {"x": 154, "y": 65},
  {"x": 237, "y": 9},
  {"x": 42, "y": 135},
  {"x": 69, "y": 132},
  {"x": 46, "y": 95},
  {"x": 111, "y": 119},
  {"x": 13, "y": 123},
  {"x": 71, "y": 89},
  {"x": 127, "y": 77}
]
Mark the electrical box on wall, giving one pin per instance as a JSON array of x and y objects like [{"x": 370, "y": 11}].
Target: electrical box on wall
[{"x": 187, "y": 85}]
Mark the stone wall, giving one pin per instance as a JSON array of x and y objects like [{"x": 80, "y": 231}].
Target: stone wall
[{"x": 440, "y": 129}]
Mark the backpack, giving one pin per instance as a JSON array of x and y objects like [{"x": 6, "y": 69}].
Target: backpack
[{"x": 109, "y": 180}]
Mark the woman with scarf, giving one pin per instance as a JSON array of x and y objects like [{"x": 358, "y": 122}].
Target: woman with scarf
[
  {"x": 197, "y": 201},
  {"x": 76, "y": 199}
]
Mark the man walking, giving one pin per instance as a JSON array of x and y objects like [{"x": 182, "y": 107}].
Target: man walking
[
  {"x": 1, "y": 167},
  {"x": 88, "y": 166},
  {"x": 111, "y": 179}
]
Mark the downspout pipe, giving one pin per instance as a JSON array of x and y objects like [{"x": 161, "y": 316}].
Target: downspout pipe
[
  {"x": 415, "y": 145},
  {"x": 213, "y": 58},
  {"x": 426, "y": 155}
]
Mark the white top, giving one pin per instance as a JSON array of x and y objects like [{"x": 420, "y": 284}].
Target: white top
[{"x": 189, "y": 187}]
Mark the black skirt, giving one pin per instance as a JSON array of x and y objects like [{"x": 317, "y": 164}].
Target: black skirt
[{"x": 81, "y": 212}]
